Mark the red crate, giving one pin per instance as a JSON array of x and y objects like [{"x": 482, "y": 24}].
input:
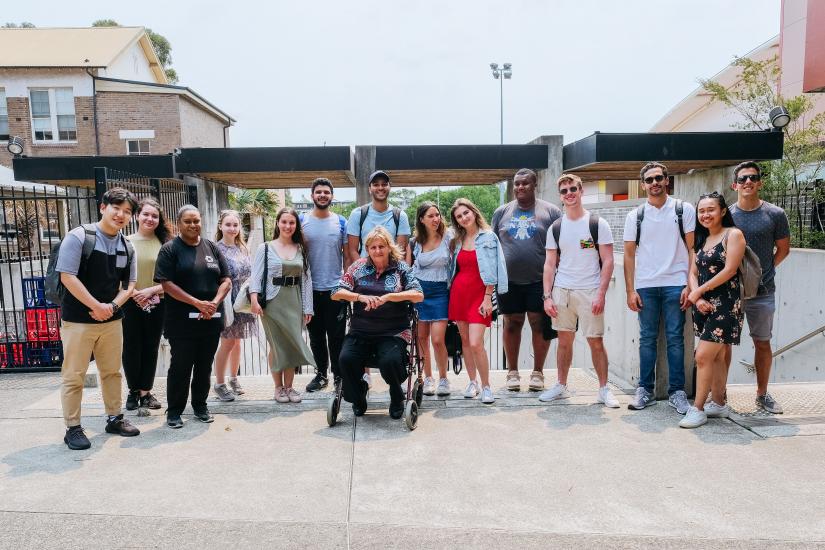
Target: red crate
[
  {"x": 43, "y": 325},
  {"x": 12, "y": 355}
]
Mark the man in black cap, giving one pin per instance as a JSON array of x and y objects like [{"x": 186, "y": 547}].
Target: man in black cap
[{"x": 379, "y": 212}]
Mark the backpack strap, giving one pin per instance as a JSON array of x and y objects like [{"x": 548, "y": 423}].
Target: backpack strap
[
  {"x": 640, "y": 215},
  {"x": 556, "y": 229},
  {"x": 594, "y": 234},
  {"x": 342, "y": 222},
  {"x": 365, "y": 210},
  {"x": 396, "y": 217},
  {"x": 89, "y": 241},
  {"x": 130, "y": 256},
  {"x": 680, "y": 210}
]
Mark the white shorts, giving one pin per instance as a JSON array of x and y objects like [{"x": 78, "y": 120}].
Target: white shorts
[{"x": 575, "y": 309}]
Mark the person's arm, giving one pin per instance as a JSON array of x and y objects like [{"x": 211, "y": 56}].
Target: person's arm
[
  {"x": 693, "y": 283},
  {"x": 634, "y": 301},
  {"x": 408, "y": 254},
  {"x": 351, "y": 251},
  {"x": 403, "y": 241},
  {"x": 783, "y": 248},
  {"x": 684, "y": 298},
  {"x": 606, "y": 255},
  {"x": 551, "y": 259},
  {"x": 204, "y": 306},
  {"x": 734, "y": 252}
]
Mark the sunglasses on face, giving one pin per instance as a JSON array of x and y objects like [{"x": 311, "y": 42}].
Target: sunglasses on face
[
  {"x": 565, "y": 190},
  {"x": 658, "y": 179},
  {"x": 753, "y": 177}
]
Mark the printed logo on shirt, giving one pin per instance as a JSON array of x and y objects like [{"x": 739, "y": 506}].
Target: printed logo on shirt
[
  {"x": 586, "y": 243},
  {"x": 523, "y": 226}
]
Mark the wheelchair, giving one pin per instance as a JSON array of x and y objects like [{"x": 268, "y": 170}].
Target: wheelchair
[{"x": 415, "y": 381}]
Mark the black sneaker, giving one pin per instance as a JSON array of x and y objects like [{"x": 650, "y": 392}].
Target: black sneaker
[
  {"x": 121, "y": 426},
  {"x": 204, "y": 416},
  {"x": 151, "y": 402},
  {"x": 75, "y": 439},
  {"x": 318, "y": 383},
  {"x": 132, "y": 400},
  {"x": 174, "y": 422}
]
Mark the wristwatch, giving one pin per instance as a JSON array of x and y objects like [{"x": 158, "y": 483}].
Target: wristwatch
[
  {"x": 115, "y": 307},
  {"x": 547, "y": 296}
]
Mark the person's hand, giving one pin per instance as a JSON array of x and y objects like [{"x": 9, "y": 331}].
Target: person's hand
[
  {"x": 486, "y": 307},
  {"x": 256, "y": 308},
  {"x": 704, "y": 306},
  {"x": 307, "y": 318},
  {"x": 550, "y": 308},
  {"x": 597, "y": 307},
  {"x": 370, "y": 302},
  {"x": 695, "y": 296},
  {"x": 634, "y": 301},
  {"x": 142, "y": 297},
  {"x": 206, "y": 308},
  {"x": 101, "y": 312},
  {"x": 684, "y": 301}
]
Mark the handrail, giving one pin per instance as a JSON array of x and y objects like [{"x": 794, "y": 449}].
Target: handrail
[{"x": 821, "y": 330}]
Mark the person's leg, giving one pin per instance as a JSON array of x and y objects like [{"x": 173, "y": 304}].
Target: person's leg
[
  {"x": 476, "y": 333},
  {"x": 599, "y": 355},
  {"x": 719, "y": 381},
  {"x": 707, "y": 354},
  {"x": 674, "y": 319},
  {"x": 222, "y": 359},
  {"x": 78, "y": 342},
  {"x": 759, "y": 312},
  {"x": 354, "y": 354},
  {"x": 108, "y": 351},
  {"x": 540, "y": 345},
  {"x": 336, "y": 325},
  {"x": 424, "y": 347},
  {"x": 181, "y": 358},
  {"x": 648, "y": 335},
  {"x": 133, "y": 345},
  {"x": 511, "y": 339},
  {"x": 152, "y": 330},
  {"x": 438, "y": 330},
  {"x": 235, "y": 358},
  {"x": 289, "y": 377},
  {"x": 316, "y": 328},
  {"x": 391, "y": 360},
  {"x": 564, "y": 354},
  {"x": 205, "y": 348},
  {"x": 469, "y": 358}
]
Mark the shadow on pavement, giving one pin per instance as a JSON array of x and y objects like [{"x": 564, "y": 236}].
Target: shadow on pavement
[{"x": 567, "y": 416}]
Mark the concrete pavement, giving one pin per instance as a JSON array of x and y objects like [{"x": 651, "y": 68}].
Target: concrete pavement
[{"x": 516, "y": 475}]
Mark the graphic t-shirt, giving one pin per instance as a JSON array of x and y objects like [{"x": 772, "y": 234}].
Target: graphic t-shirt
[
  {"x": 579, "y": 261},
  {"x": 197, "y": 270},
  {"x": 762, "y": 227},
  {"x": 522, "y": 234}
]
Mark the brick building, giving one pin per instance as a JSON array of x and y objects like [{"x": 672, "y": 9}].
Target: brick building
[{"x": 97, "y": 91}]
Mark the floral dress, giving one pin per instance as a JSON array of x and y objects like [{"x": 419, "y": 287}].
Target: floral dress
[
  {"x": 724, "y": 324},
  {"x": 240, "y": 267}
]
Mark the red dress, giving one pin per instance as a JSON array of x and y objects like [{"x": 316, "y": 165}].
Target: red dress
[{"x": 467, "y": 291}]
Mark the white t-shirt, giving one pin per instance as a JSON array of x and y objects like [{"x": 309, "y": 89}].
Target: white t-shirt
[
  {"x": 579, "y": 261},
  {"x": 661, "y": 258}
]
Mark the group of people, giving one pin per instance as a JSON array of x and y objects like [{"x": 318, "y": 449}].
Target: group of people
[{"x": 533, "y": 263}]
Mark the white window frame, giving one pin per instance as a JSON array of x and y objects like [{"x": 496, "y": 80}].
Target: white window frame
[
  {"x": 140, "y": 152},
  {"x": 4, "y": 108},
  {"x": 53, "y": 114}
]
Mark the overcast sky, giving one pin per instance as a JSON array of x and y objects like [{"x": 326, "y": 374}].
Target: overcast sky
[{"x": 417, "y": 72}]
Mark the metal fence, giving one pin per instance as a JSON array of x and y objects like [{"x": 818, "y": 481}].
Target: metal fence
[{"x": 806, "y": 214}]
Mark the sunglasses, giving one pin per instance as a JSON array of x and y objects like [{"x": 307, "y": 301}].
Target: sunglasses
[
  {"x": 658, "y": 179},
  {"x": 753, "y": 177},
  {"x": 565, "y": 190},
  {"x": 711, "y": 195}
]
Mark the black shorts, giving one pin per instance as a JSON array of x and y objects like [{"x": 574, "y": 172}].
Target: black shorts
[{"x": 522, "y": 298}]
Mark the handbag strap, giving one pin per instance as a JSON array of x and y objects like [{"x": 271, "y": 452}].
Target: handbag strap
[{"x": 266, "y": 269}]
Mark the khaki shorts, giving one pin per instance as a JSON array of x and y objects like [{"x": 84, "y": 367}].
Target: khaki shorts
[{"x": 575, "y": 306}]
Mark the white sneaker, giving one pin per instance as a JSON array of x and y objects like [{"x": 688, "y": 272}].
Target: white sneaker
[
  {"x": 487, "y": 396},
  {"x": 368, "y": 379},
  {"x": 429, "y": 386},
  {"x": 606, "y": 396},
  {"x": 557, "y": 391},
  {"x": 693, "y": 418},
  {"x": 443, "y": 387},
  {"x": 472, "y": 390},
  {"x": 713, "y": 410}
]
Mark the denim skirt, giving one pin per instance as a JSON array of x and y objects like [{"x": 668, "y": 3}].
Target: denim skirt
[{"x": 436, "y": 301}]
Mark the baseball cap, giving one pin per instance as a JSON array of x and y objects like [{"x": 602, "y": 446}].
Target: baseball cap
[{"x": 379, "y": 173}]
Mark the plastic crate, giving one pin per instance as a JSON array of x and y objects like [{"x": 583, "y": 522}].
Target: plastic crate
[
  {"x": 44, "y": 354},
  {"x": 12, "y": 354},
  {"x": 34, "y": 293},
  {"x": 43, "y": 325}
]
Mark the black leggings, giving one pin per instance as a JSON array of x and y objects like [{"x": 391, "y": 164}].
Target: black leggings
[
  {"x": 141, "y": 338},
  {"x": 191, "y": 358},
  {"x": 386, "y": 353}
]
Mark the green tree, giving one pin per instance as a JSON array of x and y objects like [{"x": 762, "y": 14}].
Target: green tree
[
  {"x": 160, "y": 43},
  {"x": 483, "y": 196},
  {"x": 795, "y": 175},
  {"x": 23, "y": 25},
  {"x": 344, "y": 209}
]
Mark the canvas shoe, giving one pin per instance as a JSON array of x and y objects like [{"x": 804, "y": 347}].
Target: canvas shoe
[
  {"x": 678, "y": 400},
  {"x": 487, "y": 396},
  {"x": 693, "y": 418},
  {"x": 471, "y": 391},
  {"x": 443, "y": 387},
  {"x": 281, "y": 395},
  {"x": 429, "y": 386},
  {"x": 513, "y": 380},
  {"x": 714, "y": 410},
  {"x": 536, "y": 381},
  {"x": 557, "y": 391},
  {"x": 607, "y": 398},
  {"x": 293, "y": 395}
]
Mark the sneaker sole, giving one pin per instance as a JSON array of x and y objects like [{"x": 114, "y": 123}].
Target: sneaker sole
[
  {"x": 122, "y": 434},
  {"x": 691, "y": 426},
  {"x": 634, "y": 407},
  {"x": 76, "y": 447},
  {"x": 175, "y": 426},
  {"x": 209, "y": 421},
  {"x": 608, "y": 405},
  {"x": 677, "y": 409},
  {"x": 430, "y": 393},
  {"x": 554, "y": 399},
  {"x": 443, "y": 394}
]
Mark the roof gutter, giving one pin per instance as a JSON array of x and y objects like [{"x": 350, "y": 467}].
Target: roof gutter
[{"x": 94, "y": 111}]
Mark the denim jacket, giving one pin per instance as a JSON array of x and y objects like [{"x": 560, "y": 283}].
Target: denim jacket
[{"x": 490, "y": 259}]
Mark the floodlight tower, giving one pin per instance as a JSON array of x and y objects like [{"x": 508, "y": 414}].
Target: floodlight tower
[{"x": 500, "y": 74}]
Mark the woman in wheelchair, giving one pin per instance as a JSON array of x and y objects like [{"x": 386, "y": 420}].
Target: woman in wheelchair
[{"x": 380, "y": 288}]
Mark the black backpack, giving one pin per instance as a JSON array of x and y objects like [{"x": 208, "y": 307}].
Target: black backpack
[
  {"x": 53, "y": 287},
  {"x": 396, "y": 217},
  {"x": 640, "y": 215},
  {"x": 594, "y": 234}
]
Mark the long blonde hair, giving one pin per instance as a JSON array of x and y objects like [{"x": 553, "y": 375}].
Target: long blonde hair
[
  {"x": 240, "y": 242},
  {"x": 460, "y": 232},
  {"x": 380, "y": 233}
]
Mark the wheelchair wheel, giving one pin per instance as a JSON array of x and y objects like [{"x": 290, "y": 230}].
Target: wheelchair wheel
[
  {"x": 411, "y": 415},
  {"x": 418, "y": 392},
  {"x": 332, "y": 410}
]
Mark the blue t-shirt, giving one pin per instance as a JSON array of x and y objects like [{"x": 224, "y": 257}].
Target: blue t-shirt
[
  {"x": 375, "y": 218},
  {"x": 325, "y": 238}
]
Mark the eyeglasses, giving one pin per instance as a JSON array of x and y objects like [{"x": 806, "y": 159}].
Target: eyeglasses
[
  {"x": 753, "y": 177},
  {"x": 659, "y": 178},
  {"x": 565, "y": 190}
]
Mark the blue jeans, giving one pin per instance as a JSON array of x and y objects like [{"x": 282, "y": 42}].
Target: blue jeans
[{"x": 658, "y": 302}]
